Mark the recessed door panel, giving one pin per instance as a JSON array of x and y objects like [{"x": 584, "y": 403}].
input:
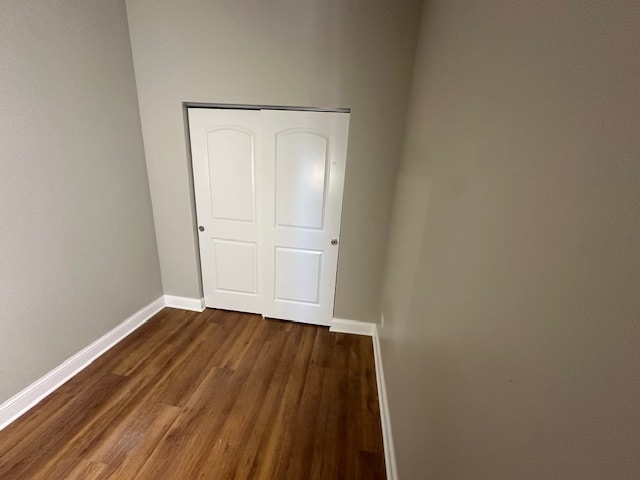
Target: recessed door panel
[
  {"x": 235, "y": 266},
  {"x": 230, "y": 156},
  {"x": 301, "y": 169},
  {"x": 298, "y": 275}
]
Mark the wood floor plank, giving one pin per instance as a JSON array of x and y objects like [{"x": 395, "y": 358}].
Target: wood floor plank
[
  {"x": 49, "y": 439},
  {"x": 311, "y": 413},
  {"x": 326, "y": 461},
  {"x": 129, "y": 399},
  {"x": 249, "y": 420},
  {"x": 178, "y": 386},
  {"x": 192, "y": 432},
  {"x": 264, "y": 415},
  {"x": 128, "y": 448},
  {"x": 167, "y": 329},
  {"x": 26, "y": 429},
  {"x": 205, "y": 414},
  {"x": 268, "y": 459},
  {"x": 86, "y": 470},
  {"x": 212, "y": 395}
]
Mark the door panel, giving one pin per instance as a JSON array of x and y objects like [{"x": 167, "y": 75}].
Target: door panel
[
  {"x": 298, "y": 275},
  {"x": 300, "y": 183},
  {"x": 231, "y": 155},
  {"x": 303, "y": 161},
  {"x": 236, "y": 266},
  {"x": 226, "y": 163}
]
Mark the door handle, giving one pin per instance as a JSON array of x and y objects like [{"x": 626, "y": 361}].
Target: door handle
[
  {"x": 201, "y": 228},
  {"x": 334, "y": 241}
]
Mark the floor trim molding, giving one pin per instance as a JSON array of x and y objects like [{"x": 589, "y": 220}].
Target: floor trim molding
[
  {"x": 24, "y": 400},
  {"x": 387, "y": 437},
  {"x": 354, "y": 327},
  {"x": 185, "y": 303}
]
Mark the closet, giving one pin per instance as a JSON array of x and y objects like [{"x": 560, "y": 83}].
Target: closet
[{"x": 268, "y": 189}]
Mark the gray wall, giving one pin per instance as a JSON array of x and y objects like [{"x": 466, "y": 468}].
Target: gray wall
[
  {"x": 77, "y": 247},
  {"x": 512, "y": 294},
  {"x": 332, "y": 53}
]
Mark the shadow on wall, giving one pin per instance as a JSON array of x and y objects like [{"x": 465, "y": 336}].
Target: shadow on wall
[{"x": 415, "y": 284}]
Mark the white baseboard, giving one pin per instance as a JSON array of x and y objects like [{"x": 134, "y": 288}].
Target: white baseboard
[
  {"x": 340, "y": 325},
  {"x": 387, "y": 437},
  {"x": 185, "y": 303},
  {"x": 20, "y": 403}
]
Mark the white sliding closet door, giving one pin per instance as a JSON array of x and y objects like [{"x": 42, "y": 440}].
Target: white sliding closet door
[
  {"x": 268, "y": 187},
  {"x": 303, "y": 158},
  {"x": 225, "y": 150}
]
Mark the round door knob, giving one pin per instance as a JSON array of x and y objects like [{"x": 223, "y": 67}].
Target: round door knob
[
  {"x": 201, "y": 228},
  {"x": 334, "y": 241}
]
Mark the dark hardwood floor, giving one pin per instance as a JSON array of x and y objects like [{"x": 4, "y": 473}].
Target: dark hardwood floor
[{"x": 212, "y": 395}]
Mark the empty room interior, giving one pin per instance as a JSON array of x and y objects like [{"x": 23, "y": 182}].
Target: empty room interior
[{"x": 320, "y": 239}]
